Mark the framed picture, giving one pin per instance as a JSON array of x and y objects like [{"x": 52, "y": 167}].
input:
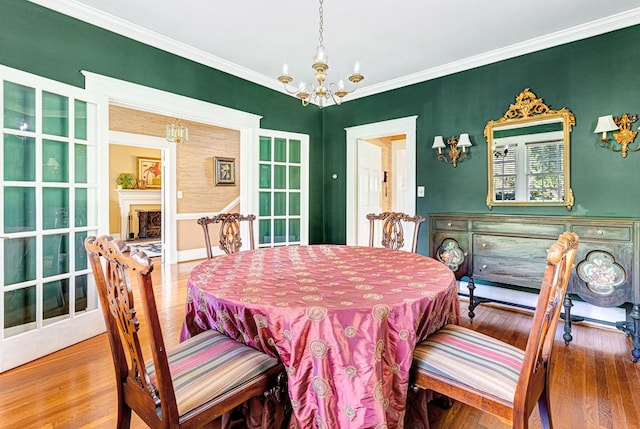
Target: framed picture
[
  {"x": 225, "y": 171},
  {"x": 149, "y": 172}
]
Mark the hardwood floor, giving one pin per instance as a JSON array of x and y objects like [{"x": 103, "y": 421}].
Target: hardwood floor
[{"x": 594, "y": 382}]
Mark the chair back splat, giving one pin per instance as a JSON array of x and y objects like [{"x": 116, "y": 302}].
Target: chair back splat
[
  {"x": 229, "y": 237},
  {"x": 393, "y": 229},
  {"x": 183, "y": 387},
  {"x": 494, "y": 376}
]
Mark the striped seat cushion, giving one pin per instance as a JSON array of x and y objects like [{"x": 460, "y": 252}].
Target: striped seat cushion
[
  {"x": 471, "y": 358},
  {"x": 208, "y": 365}
]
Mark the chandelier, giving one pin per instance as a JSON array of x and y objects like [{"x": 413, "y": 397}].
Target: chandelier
[
  {"x": 319, "y": 92},
  {"x": 177, "y": 133}
]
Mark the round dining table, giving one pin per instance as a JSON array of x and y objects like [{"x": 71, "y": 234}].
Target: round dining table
[{"x": 343, "y": 320}]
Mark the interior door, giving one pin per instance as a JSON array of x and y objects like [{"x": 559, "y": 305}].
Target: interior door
[
  {"x": 49, "y": 189},
  {"x": 369, "y": 188}
]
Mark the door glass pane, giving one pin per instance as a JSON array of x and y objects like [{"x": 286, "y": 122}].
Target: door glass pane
[
  {"x": 55, "y": 249},
  {"x": 55, "y": 204},
  {"x": 265, "y": 149},
  {"x": 294, "y": 177},
  {"x": 55, "y": 157},
  {"x": 279, "y": 177},
  {"x": 81, "y": 207},
  {"x": 81, "y": 292},
  {"x": 294, "y": 203},
  {"x": 294, "y": 151},
  {"x": 81, "y": 253},
  {"x": 55, "y": 298},
  {"x": 19, "y": 209},
  {"x": 19, "y": 260},
  {"x": 265, "y": 176},
  {"x": 264, "y": 231},
  {"x": 91, "y": 212},
  {"x": 55, "y": 114},
  {"x": 280, "y": 150},
  {"x": 19, "y": 107},
  {"x": 294, "y": 229},
  {"x": 279, "y": 230},
  {"x": 81, "y": 120},
  {"x": 279, "y": 204},
  {"x": 19, "y": 158},
  {"x": 80, "y": 159},
  {"x": 19, "y": 306},
  {"x": 265, "y": 204}
]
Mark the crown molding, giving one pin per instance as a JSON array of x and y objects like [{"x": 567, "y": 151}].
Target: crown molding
[
  {"x": 579, "y": 32},
  {"x": 109, "y": 22}
]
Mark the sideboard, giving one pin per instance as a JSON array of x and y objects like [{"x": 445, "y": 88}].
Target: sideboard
[{"x": 511, "y": 250}]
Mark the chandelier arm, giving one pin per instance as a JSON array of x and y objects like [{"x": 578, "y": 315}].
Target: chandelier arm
[{"x": 291, "y": 89}]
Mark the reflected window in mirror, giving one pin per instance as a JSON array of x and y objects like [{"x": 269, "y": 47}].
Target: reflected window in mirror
[{"x": 529, "y": 155}]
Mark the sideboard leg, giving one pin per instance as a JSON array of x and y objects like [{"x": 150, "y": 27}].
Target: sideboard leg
[
  {"x": 472, "y": 304},
  {"x": 635, "y": 316},
  {"x": 567, "y": 319},
  {"x": 632, "y": 330}
]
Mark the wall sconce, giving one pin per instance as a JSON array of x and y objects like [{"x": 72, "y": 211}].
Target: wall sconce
[
  {"x": 624, "y": 138},
  {"x": 177, "y": 133},
  {"x": 453, "y": 155}
]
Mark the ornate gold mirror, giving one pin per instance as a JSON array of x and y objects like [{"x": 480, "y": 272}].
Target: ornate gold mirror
[{"x": 528, "y": 155}]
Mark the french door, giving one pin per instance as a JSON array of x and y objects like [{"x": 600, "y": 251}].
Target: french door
[
  {"x": 281, "y": 188},
  {"x": 49, "y": 190}
]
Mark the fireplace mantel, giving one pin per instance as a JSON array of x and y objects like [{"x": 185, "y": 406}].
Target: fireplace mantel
[{"x": 129, "y": 197}]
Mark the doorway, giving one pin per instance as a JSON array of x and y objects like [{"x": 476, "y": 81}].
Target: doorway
[
  {"x": 137, "y": 215},
  {"x": 361, "y": 184}
]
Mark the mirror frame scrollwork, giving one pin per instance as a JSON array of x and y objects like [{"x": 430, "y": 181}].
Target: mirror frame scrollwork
[{"x": 529, "y": 110}]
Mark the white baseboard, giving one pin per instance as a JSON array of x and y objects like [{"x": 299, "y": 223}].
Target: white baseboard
[{"x": 608, "y": 315}]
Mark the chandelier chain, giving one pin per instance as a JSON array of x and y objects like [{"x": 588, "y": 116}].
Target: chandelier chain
[{"x": 321, "y": 38}]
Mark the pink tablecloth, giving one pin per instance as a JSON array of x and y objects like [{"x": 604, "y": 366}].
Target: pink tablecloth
[{"x": 343, "y": 320}]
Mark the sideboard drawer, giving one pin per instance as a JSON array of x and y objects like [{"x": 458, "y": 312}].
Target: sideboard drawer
[
  {"x": 450, "y": 224},
  {"x": 521, "y": 228},
  {"x": 532, "y": 249},
  {"x": 513, "y": 271},
  {"x": 585, "y": 232}
]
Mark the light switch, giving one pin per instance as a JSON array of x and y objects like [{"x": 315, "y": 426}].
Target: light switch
[
  {"x": 179, "y": 195},
  {"x": 420, "y": 191}
]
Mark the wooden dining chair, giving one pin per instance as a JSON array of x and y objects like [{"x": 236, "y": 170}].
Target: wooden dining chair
[
  {"x": 393, "y": 229},
  {"x": 229, "y": 237},
  {"x": 187, "y": 386},
  {"x": 494, "y": 376}
]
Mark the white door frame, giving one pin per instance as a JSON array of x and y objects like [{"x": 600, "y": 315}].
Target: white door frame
[
  {"x": 139, "y": 97},
  {"x": 168, "y": 151},
  {"x": 391, "y": 127}
]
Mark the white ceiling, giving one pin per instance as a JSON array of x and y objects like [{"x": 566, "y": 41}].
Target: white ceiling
[{"x": 396, "y": 42}]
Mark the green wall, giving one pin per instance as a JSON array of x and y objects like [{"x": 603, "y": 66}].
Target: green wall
[
  {"x": 592, "y": 77},
  {"x": 39, "y": 41}
]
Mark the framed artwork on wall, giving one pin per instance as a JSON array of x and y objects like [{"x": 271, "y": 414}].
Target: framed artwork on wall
[
  {"x": 149, "y": 173},
  {"x": 225, "y": 171}
]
